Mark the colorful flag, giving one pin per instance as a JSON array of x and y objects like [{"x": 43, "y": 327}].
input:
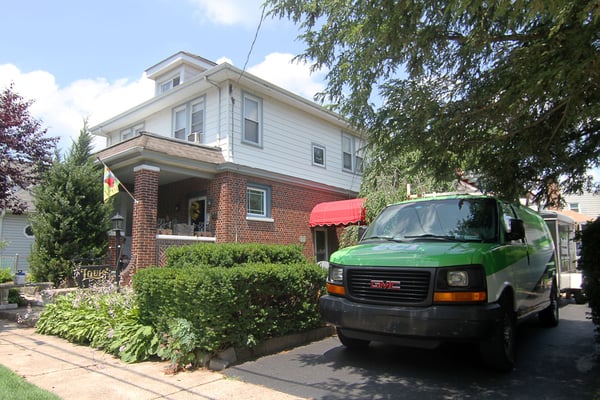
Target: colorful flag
[{"x": 111, "y": 184}]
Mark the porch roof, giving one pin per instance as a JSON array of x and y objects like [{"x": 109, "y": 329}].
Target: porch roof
[{"x": 177, "y": 159}]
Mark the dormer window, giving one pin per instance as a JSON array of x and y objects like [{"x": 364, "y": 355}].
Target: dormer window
[{"x": 170, "y": 84}]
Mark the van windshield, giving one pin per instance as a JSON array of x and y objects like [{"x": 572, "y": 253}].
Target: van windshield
[{"x": 445, "y": 219}]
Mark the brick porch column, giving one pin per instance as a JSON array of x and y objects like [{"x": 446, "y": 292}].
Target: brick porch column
[{"x": 143, "y": 243}]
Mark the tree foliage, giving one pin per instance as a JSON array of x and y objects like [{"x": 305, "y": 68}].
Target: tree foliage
[
  {"x": 508, "y": 90},
  {"x": 389, "y": 183},
  {"x": 590, "y": 254},
  {"x": 71, "y": 219},
  {"x": 25, "y": 151}
]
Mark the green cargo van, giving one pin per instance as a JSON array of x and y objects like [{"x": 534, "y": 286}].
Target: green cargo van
[{"x": 449, "y": 268}]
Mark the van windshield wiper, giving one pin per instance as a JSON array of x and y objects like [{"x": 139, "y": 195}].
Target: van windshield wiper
[
  {"x": 388, "y": 238},
  {"x": 429, "y": 236}
]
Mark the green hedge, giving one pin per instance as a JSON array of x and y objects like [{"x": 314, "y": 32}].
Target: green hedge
[
  {"x": 232, "y": 306},
  {"x": 232, "y": 254}
]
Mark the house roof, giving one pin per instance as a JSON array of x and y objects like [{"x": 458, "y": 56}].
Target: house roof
[
  {"x": 577, "y": 217},
  {"x": 215, "y": 75},
  {"x": 176, "y": 59},
  {"x": 177, "y": 159}
]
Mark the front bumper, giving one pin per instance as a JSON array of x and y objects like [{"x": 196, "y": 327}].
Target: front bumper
[{"x": 410, "y": 325}]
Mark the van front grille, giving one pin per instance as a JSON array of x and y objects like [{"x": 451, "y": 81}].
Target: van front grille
[{"x": 389, "y": 285}]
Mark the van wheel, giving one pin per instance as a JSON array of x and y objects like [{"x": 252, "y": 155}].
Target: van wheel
[
  {"x": 351, "y": 343},
  {"x": 550, "y": 315},
  {"x": 498, "y": 350}
]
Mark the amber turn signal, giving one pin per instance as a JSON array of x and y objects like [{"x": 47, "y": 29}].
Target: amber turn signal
[
  {"x": 459, "y": 297},
  {"x": 336, "y": 289}
]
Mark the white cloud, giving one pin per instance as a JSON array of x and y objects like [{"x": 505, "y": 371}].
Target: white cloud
[
  {"x": 279, "y": 69},
  {"x": 229, "y": 12},
  {"x": 62, "y": 110},
  {"x": 222, "y": 60}
]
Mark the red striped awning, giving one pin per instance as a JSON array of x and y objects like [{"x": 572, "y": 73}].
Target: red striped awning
[{"x": 343, "y": 212}]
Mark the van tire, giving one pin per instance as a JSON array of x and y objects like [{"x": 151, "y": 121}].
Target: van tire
[
  {"x": 550, "y": 315},
  {"x": 352, "y": 343},
  {"x": 498, "y": 350}
]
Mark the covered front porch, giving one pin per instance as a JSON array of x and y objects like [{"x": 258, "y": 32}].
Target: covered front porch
[{"x": 173, "y": 195}]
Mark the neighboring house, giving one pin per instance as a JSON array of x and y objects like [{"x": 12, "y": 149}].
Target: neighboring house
[
  {"x": 587, "y": 204},
  {"x": 220, "y": 155},
  {"x": 15, "y": 231}
]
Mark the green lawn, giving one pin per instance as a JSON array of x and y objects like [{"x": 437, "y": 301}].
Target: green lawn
[{"x": 13, "y": 387}]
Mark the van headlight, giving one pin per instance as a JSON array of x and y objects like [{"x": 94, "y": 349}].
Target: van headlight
[
  {"x": 460, "y": 284},
  {"x": 336, "y": 274},
  {"x": 457, "y": 278}
]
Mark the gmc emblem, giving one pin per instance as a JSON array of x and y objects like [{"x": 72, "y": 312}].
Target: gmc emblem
[{"x": 387, "y": 285}]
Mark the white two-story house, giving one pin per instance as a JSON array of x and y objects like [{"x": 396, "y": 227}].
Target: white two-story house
[{"x": 220, "y": 155}]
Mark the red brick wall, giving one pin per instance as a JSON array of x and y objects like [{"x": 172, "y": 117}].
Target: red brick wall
[
  {"x": 291, "y": 206},
  {"x": 143, "y": 245},
  {"x": 290, "y": 210}
]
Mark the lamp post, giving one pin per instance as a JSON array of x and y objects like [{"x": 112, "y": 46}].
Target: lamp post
[{"x": 117, "y": 225}]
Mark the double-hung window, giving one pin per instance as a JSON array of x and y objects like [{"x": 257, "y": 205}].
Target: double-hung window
[
  {"x": 258, "y": 201},
  {"x": 131, "y": 131},
  {"x": 252, "y": 120},
  {"x": 352, "y": 154},
  {"x": 188, "y": 121}
]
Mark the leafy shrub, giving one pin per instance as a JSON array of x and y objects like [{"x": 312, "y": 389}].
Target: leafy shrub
[
  {"x": 182, "y": 314},
  {"x": 104, "y": 319},
  {"x": 14, "y": 297},
  {"x": 6, "y": 275},
  {"x": 178, "y": 345},
  {"x": 232, "y": 306},
  {"x": 232, "y": 254},
  {"x": 590, "y": 265}
]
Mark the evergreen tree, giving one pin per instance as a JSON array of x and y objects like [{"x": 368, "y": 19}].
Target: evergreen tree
[{"x": 71, "y": 219}]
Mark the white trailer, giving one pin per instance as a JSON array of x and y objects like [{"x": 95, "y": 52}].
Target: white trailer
[{"x": 563, "y": 229}]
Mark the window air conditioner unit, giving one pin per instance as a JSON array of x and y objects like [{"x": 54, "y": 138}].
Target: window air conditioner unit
[{"x": 195, "y": 137}]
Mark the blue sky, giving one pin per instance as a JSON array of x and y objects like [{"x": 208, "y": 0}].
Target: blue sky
[{"x": 80, "y": 59}]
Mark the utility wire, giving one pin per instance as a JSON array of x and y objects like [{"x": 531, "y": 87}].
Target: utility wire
[{"x": 262, "y": 18}]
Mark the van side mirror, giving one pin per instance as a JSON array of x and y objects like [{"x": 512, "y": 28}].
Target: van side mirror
[{"x": 517, "y": 230}]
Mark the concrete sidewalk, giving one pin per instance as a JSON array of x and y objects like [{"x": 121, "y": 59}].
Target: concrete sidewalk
[{"x": 80, "y": 372}]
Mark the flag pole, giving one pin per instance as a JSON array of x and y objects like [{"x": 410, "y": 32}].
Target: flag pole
[{"x": 124, "y": 188}]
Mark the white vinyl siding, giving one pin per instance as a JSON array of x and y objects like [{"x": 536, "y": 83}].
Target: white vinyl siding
[
  {"x": 287, "y": 138},
  {"x": 18, "y": 242}
]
